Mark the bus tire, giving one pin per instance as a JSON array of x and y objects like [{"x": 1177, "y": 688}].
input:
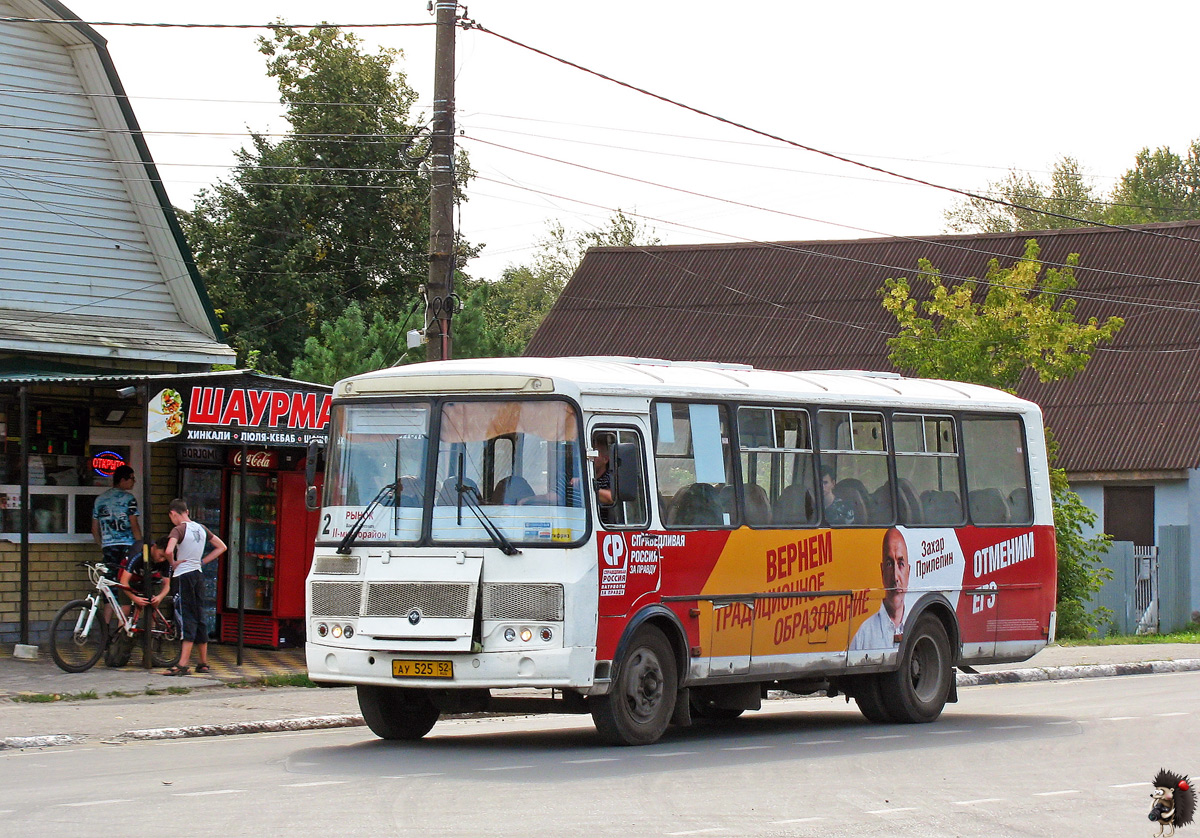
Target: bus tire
[
  {"x": 917, "y": 691},
  {"x": 642, "y": 701},
  {"x": 868, "y": 695},
  {"x": 395, "y": 712}
]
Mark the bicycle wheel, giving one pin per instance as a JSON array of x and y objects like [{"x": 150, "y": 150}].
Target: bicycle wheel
[
  {"x": 73, "y": 649},
  {"x": 166, "y": 644}
]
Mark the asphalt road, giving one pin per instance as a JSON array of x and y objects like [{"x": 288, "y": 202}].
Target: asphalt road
[{"x": 1047, "y": 758}]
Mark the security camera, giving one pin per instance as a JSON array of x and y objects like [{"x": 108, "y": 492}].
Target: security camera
[{"x": 127, "y": 392}]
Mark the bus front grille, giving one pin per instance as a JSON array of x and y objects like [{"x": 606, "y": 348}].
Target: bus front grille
[
  {"x": 523, "y": 602},
  {"x": 336, "y": 599},
  {"x": 431, "y": 599}
]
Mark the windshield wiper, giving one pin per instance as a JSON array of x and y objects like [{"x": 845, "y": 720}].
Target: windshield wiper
[
  {"x": 388, "y": 492},
  {"x": 472, "y": 496}
]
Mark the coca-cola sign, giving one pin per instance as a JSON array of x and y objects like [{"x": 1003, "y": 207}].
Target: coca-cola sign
[{"x": 255, "y": 459}]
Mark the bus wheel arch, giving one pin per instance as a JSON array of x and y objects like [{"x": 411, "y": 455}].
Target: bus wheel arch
[{"x": 646, "y": 674}]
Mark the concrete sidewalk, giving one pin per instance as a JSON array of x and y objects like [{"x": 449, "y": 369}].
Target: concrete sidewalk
[{"x": 132, "y": 703}]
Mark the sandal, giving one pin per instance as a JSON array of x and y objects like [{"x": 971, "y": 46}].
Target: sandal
[
  {"x": 201, "y": 668},
  {"x": 177, "y": 670}
]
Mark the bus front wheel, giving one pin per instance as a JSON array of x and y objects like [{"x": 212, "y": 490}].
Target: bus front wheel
[
  {"x": 641, "y": 703},
  {"x": 396, "y": 713},
  {"x": 917, "y": 691}
]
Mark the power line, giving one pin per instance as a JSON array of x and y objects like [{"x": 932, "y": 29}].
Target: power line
[
  {"x": 164, "y": 25},
  {"x": 828, "y": 154}
]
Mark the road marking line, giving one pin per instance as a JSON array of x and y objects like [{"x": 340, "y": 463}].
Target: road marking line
[
  {"x": 889, "y": 736},
  {"x": 1055, "y": 793},
  {"x": 674, "y": 754},
  {"x": 317, "y": 783},
  {"x": 206, "y": 793},
  {"x": 1010, "y": 727},
  {"x": 98, "y": 802},
  {"x": 504, "y": 768},
  {"x": 413, "y": 776},
  {"x": 1172, "y": 714},
  {"x": 750, "y": 748},
  {"x": 1071, "y": 722},
  {"x": 699, "y": 831},
  {"x": 819, "y": 742},
  {"x": 980, "y": 800},
  {"x": 1118, "y": 718},
  {"x": 1128, "y": 785},
  {"x": 945, "y": 732},
  {"x": 588, "y": 761},
  {"x": 890, "y": 811},
  {"x": 796, "y": 820}
]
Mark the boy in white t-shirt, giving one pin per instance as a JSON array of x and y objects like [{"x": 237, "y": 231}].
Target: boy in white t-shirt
[{"x": 186, "y": 553}]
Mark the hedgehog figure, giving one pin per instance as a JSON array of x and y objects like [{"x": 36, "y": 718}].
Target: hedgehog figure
[{"x": 1174, "y": 802}]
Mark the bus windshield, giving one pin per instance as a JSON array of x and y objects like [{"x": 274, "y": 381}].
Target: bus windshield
[{"x": 511, "y": 466}]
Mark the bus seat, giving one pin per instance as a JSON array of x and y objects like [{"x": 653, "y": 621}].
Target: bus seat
[
  {"x": 448, "y": 494},
  {"x": 853, "y": 492},
  {"x": 1018, "y": 506},
  {"x": 758, "y": 506},
  {"x": 793, "y": 506},
  {"x": 941, "y": 508},
  {"x": 880, "y": 509},
  {"x": 988, "y": 506},
  {"x": 695, "y": 506},
  {"x": 911, "y": 513},
  {"x": 511, "y": 490}
]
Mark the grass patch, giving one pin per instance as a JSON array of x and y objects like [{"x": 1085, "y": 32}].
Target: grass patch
[
  {"x": 46, "y": 698},
  {"x": 152, "y": 691},
  {"x": 178, "y": 690},
  {"x": 119, "y": 694},
  {"x": 290, "y": 679},
  {"x": 1188, "y": 634}
]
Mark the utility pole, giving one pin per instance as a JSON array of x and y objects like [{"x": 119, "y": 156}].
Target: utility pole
[{"x": 440, "y": 289}]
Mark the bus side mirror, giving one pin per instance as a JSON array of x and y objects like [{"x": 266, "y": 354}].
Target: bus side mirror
[
  {"x": 627, "y": 472},
  {"x": 311, "y": 501}
]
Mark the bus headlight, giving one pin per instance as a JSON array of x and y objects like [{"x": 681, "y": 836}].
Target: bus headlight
[
  {"x": 547, "y": 635},
  {"x": 322, "y": 629},
  {"x": 526, "y": 635},
  {"x": 510, "y": 634},
  {"x": 348, "y": 632},
  {"x": 336, "y": 631}
]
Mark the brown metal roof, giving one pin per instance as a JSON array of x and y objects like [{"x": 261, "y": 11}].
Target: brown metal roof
[{"x": 816, "y": 305}]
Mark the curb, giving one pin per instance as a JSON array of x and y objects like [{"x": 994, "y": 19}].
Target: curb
[
  {"x": 978, "y": 679},
  {"x": 233, "y": 728},
  {"x": 1065, "y": 673}
]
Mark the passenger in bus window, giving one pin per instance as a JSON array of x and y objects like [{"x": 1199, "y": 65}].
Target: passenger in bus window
[
  {"x": 837, "y": 511},
  {"x": 603, "y": 482},
  {"x": 885, "y": 629}
]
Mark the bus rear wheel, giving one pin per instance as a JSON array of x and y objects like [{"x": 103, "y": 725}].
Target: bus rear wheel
[
  {"x": 917, "y": 691},
  {"x": 641, "y": 703},
  {"x": 868, "y": 695},
  {"x": 396, "y": 713}
]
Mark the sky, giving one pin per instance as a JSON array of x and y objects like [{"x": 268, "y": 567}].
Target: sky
[{"x": 954, "y": 93}]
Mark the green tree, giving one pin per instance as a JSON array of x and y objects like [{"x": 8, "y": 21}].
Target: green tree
[
  {"x": 1161, "y": 186},
  {"x": 991, "y": 332},
  {"x": 351, "y": 344},
  {"x": 332, "y": 213},
  {"x": 1067, "y": 193},
  {"x": 499, "y": 317}
]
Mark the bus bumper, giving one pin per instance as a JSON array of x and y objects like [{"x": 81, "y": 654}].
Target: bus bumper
[{"x": 570, "y": 668}]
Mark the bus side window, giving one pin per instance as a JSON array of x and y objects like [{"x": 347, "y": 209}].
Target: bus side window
[
  {"x": 997, "y": 479},
  {"x": 693, "y": 459},
  {"x": 624, "y": 478}
]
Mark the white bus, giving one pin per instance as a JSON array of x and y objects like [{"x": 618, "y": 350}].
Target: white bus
[{"x": 657, "y": 542}]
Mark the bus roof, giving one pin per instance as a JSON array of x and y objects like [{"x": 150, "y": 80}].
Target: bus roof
[{"x": 648, "y": 377}]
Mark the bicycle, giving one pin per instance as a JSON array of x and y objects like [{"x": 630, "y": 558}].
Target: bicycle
[{"x": 79, "y": 633}]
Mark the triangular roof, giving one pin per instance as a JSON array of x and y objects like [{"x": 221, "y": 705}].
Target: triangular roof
[
  {"x": 816, "y": 305},
  {"x": 94, "y": 261}
]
